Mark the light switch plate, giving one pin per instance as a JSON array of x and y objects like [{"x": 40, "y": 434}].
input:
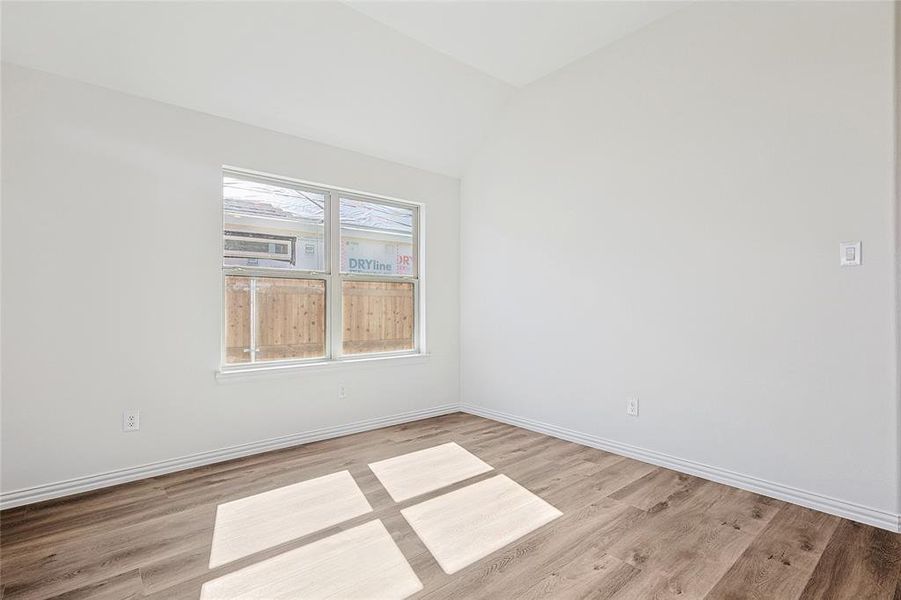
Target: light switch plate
[{"x": 849, "y": 254}]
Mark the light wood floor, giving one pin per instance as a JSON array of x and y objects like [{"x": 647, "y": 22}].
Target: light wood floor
[{"x": 629, "y": 530}]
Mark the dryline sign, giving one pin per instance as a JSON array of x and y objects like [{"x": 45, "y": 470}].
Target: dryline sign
[{"x": 376, "y": 257}]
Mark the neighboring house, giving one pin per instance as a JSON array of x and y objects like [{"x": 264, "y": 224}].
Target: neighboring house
[{"x": 271, "y": 226}]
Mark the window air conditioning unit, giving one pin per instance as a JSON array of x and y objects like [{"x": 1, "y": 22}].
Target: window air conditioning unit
[{"x": 239, "y": 244}]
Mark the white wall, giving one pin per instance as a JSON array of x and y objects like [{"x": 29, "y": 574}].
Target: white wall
[
  {"x": 898, "y": 232},
  {"x": 662, "y": 218},
  {"x": 111, "y": 285},
  {"x": 319, "y": 70}
]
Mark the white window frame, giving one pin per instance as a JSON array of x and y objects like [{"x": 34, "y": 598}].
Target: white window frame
[{"x": 331, "y": 274}]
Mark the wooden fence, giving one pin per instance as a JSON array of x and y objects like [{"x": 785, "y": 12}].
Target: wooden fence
[
  {"x": 378, "y": 316},
  {"x": 290, "y": 315}
]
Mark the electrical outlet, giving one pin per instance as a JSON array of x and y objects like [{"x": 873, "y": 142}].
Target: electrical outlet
[
  {"x": 131, "y": 420},
  {"x": 342, "y": 391},
  {"x": 632, "y": 406}
]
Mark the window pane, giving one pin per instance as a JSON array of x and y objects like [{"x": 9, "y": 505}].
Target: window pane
[
  {"x": 271, "y": 225},
  {"x": 378, "y": 316},
  {"x": 289, "y": 319},
  {"x": 376, "y": 239},
  {"x": 237, "y": 320}
]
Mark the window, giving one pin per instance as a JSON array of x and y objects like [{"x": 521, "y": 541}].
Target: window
[{"x": 313, "y": 273}]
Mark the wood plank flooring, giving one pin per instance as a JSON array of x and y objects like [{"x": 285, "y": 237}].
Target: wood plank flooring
[{"x": 629, "y": 530}]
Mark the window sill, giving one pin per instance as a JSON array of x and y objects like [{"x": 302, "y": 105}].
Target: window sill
[{"x": 243, "y": 373}]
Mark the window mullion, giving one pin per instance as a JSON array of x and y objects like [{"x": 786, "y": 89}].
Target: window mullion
[
  {"x": 254, "y": 319},
  {"x": 335, "y": 324}
]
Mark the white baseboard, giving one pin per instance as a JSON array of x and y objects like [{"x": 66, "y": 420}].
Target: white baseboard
[
  {"x": 833, "y": 506},
  {"x": 93, "y": 482}
]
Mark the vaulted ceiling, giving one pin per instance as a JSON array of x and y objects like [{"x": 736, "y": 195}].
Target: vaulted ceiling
[
  {"x": 516, "y": 42},
  {"x": 413, "y": 82}
]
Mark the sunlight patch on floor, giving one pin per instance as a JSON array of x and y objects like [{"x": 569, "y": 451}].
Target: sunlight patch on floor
[
  {"x": 416, "y": 473},
  {"x": 465, "y": 525},
  {"x": 360, "y": 563},
  {"x": 249, "y": 525}
]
